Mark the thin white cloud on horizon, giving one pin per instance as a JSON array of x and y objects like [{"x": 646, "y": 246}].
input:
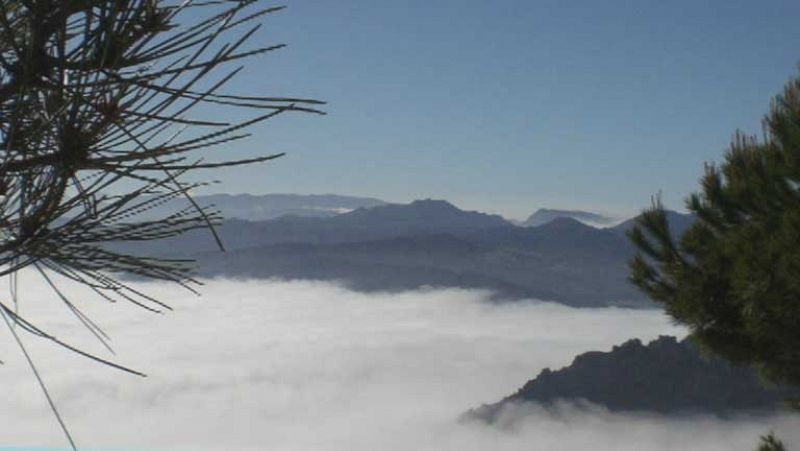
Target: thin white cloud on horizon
[{"x": 255, "y": 365}]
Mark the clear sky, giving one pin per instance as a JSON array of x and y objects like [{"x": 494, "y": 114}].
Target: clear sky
[{"x": 511, "y": 105}]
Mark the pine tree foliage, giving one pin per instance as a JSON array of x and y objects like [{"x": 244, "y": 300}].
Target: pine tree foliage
[
  {"x": 99, "y": 122},
  {"x": 734, "y": 277},
  {"x": 771, "y": 443}
]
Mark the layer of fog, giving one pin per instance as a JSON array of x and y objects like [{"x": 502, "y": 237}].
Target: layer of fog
[{"x": 312, "y": 366}]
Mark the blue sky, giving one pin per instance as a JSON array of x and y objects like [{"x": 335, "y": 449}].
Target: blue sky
[{"x": 511, "y": 105}]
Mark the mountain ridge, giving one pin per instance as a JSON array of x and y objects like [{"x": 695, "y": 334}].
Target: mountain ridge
[{"x": 423, "y": 243}]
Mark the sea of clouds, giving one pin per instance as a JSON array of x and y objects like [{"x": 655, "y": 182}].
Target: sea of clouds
[{"x": 272, "y": 365}]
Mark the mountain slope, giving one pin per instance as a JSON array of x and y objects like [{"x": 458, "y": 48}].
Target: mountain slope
[
  {"x": 576, "y": 269},
  {"x": 393, "y": 264},
  {"x": 678, "y": 223}
]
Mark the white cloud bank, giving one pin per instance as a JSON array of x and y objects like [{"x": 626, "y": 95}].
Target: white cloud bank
[{"x": 312, "y": 366}]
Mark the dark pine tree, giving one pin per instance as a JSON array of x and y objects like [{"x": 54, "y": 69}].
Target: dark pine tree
[
  {"x": 734, "y": 277},
  {"x": 770, "y": 443}
]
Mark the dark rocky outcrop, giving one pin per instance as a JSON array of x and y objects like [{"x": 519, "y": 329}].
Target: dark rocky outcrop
[{"x": 666, "y": 376}]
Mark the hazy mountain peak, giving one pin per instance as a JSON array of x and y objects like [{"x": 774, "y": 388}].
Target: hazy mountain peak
[
  {"x": 545, "y": 215},
  {"x": 565, "y": 230},
  {"x": 562, "y": 222},
  {"x": 428, "y": 210},
  {"x": 440, "y": 204}
]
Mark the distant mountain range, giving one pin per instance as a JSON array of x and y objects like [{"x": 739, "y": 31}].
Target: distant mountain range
[
  {"x": 544, "y": 215},
  {"x": 424, "y": 243},
  {"x": 666, "y": 377},
  {"x": 263, "y": 207}
]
